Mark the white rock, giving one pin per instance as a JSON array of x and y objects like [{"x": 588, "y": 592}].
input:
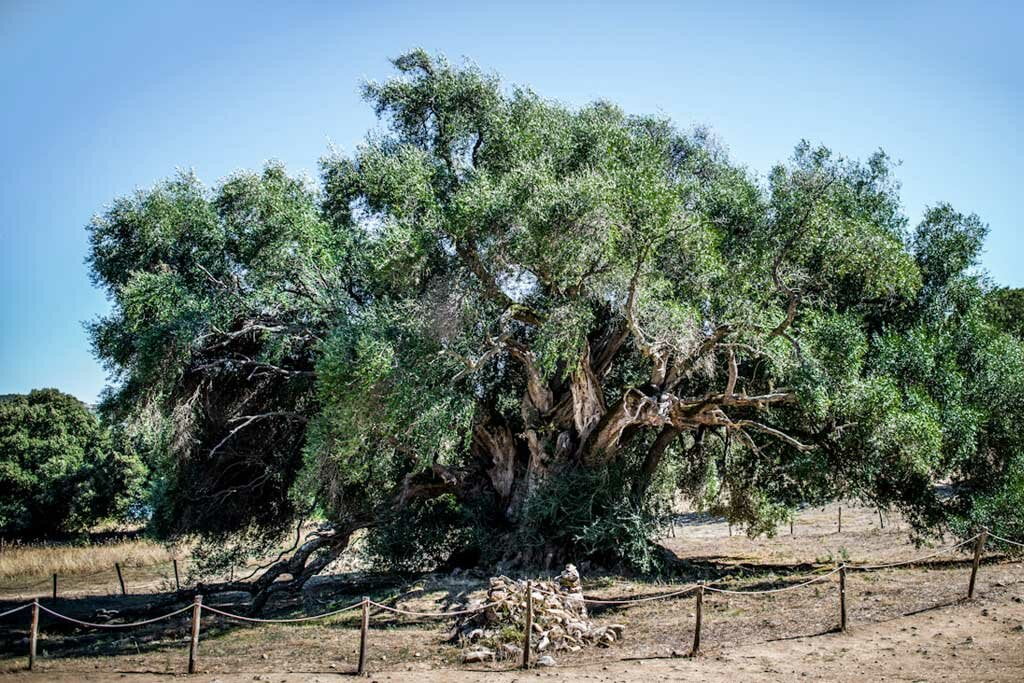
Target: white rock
[{"x": 476, "y": 656}]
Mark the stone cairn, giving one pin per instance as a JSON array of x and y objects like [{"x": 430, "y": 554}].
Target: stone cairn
[{"x": 560, "y": 622}]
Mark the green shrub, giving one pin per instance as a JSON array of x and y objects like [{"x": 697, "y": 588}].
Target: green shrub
[{"x": 61, "y": 471}]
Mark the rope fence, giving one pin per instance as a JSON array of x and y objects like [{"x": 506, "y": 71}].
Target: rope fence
[
  {"x": 635, "y": 601},
  {"x": 916, "y": 560},
  {"x": 90, "y": 624},
  {"x": 815, "y": 579},
  {"x": 1005, "y": 540},
  {"x": 294, "y": 620},
  {"x": 411, "y": 613},
  {"x": 365, "y": 605}
]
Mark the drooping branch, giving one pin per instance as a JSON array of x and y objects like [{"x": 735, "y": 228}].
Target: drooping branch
[
  {"x": 229, "y": 362},
  {"x": 312, "y": 557},
  {"x": 301, "y": 563},
  {"x": 247, "y": 420},
  {"x": 778, "y": 434}
]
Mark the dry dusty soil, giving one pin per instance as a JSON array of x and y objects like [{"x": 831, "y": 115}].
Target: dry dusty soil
[{"x": 909, "y": 623}]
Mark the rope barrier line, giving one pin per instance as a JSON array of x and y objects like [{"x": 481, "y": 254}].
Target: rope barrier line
[
  {"x": 1005, "y": 540},
  {"x": 16, "y": 609},
  {"x": 940, "y": 551},
  {"x": 294, "y": 620},
  {"x": 683, "y": 591},
  {"x": 816, "y": 579},
  {"x": 412, "y": 613},
  {"x": 115, "y": 626},
  {"x": 632, "y": 601}
]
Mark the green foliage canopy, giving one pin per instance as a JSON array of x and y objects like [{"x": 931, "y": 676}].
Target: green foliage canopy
[{"x": 500, "y": 294}]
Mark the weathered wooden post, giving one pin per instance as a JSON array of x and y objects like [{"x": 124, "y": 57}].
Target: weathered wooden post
[
  {"x": 528, "y": 630},
  {"x": 193, "y": 648},
  {"x": 979, "y": 544},
  {"x": 364, "y": 628},
  {"x": 120, "y": 578},
  {"x": 177, "y": 580},
  {"x": 840, "y": 519},
  {"x": 700, "y": 615},
  {"x": 33, "y": 634},
  {"x": 881, "y": 520},
  {"x": 842, "y": 597},
  {"x": 55, "y": 585},
  {"x": 790, "y": 526}
]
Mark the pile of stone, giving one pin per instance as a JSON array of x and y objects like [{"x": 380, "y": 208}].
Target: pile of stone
[{"x": 560, "y": 622}]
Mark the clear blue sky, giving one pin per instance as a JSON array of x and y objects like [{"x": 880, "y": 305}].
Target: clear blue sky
[{"x": 101, "y": 98}]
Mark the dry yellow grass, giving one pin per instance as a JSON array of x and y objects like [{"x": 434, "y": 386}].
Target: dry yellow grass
[{"x": 26, "y": 563}]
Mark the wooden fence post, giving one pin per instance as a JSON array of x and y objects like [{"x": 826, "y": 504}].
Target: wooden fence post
[
  {"x": 978, "y": 546},
  {"x": 700, "y": 616},
  {"x": 881, "y": 520},
  {"x": 177, "y": 580},
  {"x": 842, "y": 597},
  {"x": 364, "y": 627},
  {"x": 790, "y": 526},
  {"x": 840, "y": 519},
  {"x": 528, "y": 630},
  {"x": 33, "y": 634},
  {"x": 55, "y": 585},
  {"x": 120, "y": 578},
  {"x": 193, "y": 648}
]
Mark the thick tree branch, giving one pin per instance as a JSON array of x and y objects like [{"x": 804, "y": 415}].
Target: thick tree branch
[{"x": 652, "y": 459}]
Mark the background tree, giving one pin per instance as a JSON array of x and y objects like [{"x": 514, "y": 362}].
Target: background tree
[
  {"x": 1006, "y": 309},
  {"x": 61, "y": 471},
  {"x": 532, "y": 325}
]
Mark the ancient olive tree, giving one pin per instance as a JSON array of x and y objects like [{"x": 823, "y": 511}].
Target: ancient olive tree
[{"x": 512, "y": 329}]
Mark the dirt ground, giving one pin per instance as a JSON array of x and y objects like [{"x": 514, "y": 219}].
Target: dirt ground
[{"x": 908, "y": 624}]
